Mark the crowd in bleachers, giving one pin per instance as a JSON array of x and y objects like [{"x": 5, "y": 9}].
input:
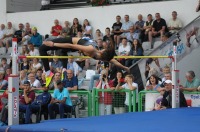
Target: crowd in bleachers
[{"x": 128, "y": 38}]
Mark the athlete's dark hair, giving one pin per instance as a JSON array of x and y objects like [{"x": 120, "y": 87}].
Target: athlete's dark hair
[{"x": 109, "y": 52}]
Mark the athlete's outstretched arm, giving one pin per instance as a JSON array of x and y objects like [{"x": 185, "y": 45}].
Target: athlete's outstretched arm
[{"x": 115, "y": 62}]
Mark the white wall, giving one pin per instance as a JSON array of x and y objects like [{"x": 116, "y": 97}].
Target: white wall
[
  {"x": 2, "y": 11},
  {"x": 102, "y": 17}
]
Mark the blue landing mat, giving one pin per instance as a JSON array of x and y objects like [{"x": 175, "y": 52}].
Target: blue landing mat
[{"x": 171, "y": 120}]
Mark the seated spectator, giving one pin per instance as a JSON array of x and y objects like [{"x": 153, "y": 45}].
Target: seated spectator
[
  {"x": 56, "y": 78},
  {"x": 87, "y": 29},
  {"x": 75, "y": 28},
  {"x": 129, "y": 84},
  {"x": 107, "y": 35},
  {"x": 3, "y": 82},
  {"x": 160, "y": 104},
  {"x": 167, "y": 96},
  {"x": 25, "y": 100},
  {"x": 6, "y": 40},
  {"x": 124, "y": 50},
  {"x": 56, "y": 29},
  {"x": 158, "y": 29},
  {"x": 26, "y": 34},
  {"x": 153, "y": 83},
  {"x": 25, "y": 64},
  {"x": 192, "y": 82},
  {"x": 18, "y": 33},
  {"x": 70, "y": 81},
  {"x": 167, "y": 76},
  {"x": 8, "y": 73},
  {"x": 175, "y": 24},
  {"x": 66, "y": 30},
  {"x": 36, "y": 38},
  {"x": 40, "y": 103},
  {"x": 139, "y": 25},
  {"x": 125, "y": 28},
  {"x": 72, "y": 65},
  {"x": 3, "y": 100},
  {"x": 39, "y": 76},
  {"x": 105, "y": 98},
  {"x": 116, "y": 29},
  {"x": 34, "y": 83},
  {"x": 60, "y": 102},
  {"x": 148, "y": 26},
  {"x": 2, "y": 31},
  {"x": 98, "y": 35},
  {"x": 32, "y": 50},
  {"x": 132, "y": 35},
  {"x": 56, "y": 65},
  {"x": 118, "y": 97},
  {"x": 36, "y": 64},
  {"x": 22, "y": 77},
  {"x": 4, "y": 64},
  {"x": 166, "y": 70},
  {"x": 136, "y": 50},
  {"x": 25, "y": 50}
]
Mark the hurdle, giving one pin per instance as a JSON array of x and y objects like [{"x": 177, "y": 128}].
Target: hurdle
[{"x": 13, "y": 80}]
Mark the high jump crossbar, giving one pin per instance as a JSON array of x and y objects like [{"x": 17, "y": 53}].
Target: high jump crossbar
[{"x": 87, "y": 57}]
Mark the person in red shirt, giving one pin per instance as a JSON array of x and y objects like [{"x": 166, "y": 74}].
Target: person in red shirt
[{"x": 57, "y": 29}]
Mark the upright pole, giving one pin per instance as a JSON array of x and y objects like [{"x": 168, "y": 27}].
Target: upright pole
[
  {"x": 13, "y": 88},
  {"x": 175, "y": 79}
]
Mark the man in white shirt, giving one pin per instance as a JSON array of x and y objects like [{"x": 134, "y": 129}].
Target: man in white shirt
[
  {"x": 7, "y": 38},
  {"x": 2, "y": 31},
  {"x": 124, "y": 48},
  {"x": 129, "y": 79},
  {"x": 33, "y": 81},
  {"x": 175, "y": 24},
  {"x": 33, "y": 51}
]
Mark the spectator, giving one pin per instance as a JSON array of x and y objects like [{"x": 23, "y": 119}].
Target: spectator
[
  {"x": 36, "y": 38},
  {"x": 75, "y": 28},
  {"x": 132, "y": 35},
  {"x": 98, "y": 35},
  {"x": 124, "y": 50},
  {"x": 3, "y": 82},
  {"x": 6, "y": 40},
  {"x": 25, "y": 100},
  {"x": 56, "y": 29},
  {"x": 18, "y": 33},
  {"x": 34, "y": 83},
  {"x": 125, "y": 28},
  {"x": 136, "y": 50},
  {"x": 3, "y": 101},
  {"x": 26, "y": 34},
  {"x": 39, "y": 76},
  {"x": 72, "y": 65},
  {"x": 192, "y": 82},
  {"x": 40, "y": 103},
  {"x": 66, "y": 30},
  {"x": 129, "y": 79},
  {"x": 160, "y": 104},
  {"x": 167, "y": 96},
  {"x": 166, "y": 70},
  {"x": 198, "y": 7},
  {"x": 139, "y": 25},
  {"x": 25, "y": 64},
  {"x": 60, "y": 102},
  {"x": 8, "y": 73},
  {"x": 2, "y": 31},
  {"x": 56, "y": 65},
  {"x": 57, "y": 77},
  {"x": 25, "y": 50},
  {"x": 70, "y": 81},
  {"x": 116, "y": 29},
  {"x": 105, "y": 98},
  {"x": 4, "y": 64},
  {"x": 153, "y": 83},
  {"x": 87, "y": 29},
  {"x": 158, "y": 29},
  {"x": 148, "y": 27},
  {"x": 23, "y": 77},
  {"x": 108, "y": 35},
  {"x": 33, "y": 51},
  {"x": 36, "y": 64},
  {"x": 119, "y": 97},
  {"x": 175, "y": 24}
]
